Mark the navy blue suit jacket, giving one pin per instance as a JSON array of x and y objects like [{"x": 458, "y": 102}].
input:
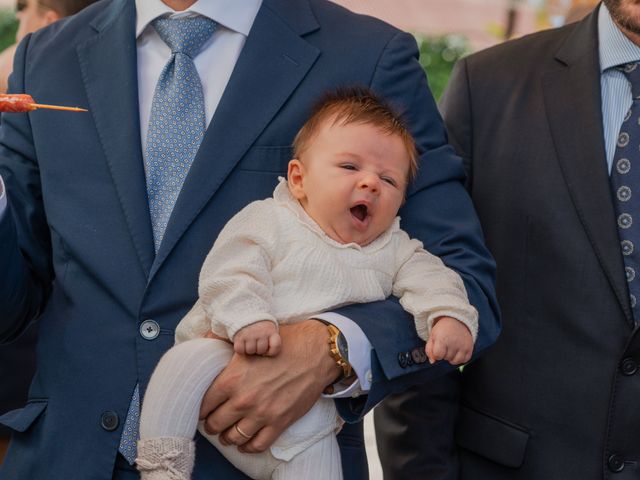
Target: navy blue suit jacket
[{"x": 77, "y": 241}]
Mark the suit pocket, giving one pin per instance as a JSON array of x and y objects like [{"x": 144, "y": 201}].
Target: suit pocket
[
  {"x": 492, "y": 438},
  {"x": 22, "y": 418}
]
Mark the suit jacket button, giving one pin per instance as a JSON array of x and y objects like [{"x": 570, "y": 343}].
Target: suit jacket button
[
  {"x": 407, "y": 355},
  {"x": 149, "y": 329},
  {"x": 629, "y": 366},
  {"x": 402, "y": 360},
  {"x": 615, "y": 463},
  {"x": 418, "y": 355},
  {"x": 109, "y": 420}
]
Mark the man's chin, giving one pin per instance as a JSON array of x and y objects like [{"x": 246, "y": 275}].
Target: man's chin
[{"x": 626, "y": 14}]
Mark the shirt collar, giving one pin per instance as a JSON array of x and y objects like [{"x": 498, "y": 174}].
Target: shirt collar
[
  {"x": 614, "y": 47},
  {"x": 232, "y": 14},
  {"x": 282, "y": 196}
]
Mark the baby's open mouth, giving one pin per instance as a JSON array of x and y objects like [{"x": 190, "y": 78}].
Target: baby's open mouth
[{"x": 360, "y": 212}]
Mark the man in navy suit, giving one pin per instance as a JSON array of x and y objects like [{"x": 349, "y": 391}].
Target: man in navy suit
[{"x": 78, "y": 243}]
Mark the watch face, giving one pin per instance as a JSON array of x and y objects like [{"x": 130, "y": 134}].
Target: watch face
[{"x": 343, "y": 347}]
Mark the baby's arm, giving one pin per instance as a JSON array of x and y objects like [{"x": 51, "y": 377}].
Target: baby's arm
[
  {"x": 235, "y": 287},
  {"x": 436, "y": 297}
]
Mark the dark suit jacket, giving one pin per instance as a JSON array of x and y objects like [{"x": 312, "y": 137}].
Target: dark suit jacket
[
  {"x": 557, "y": 396},
  {"x": 17, "y": 365},
  {"x": 77, "y": 239}
]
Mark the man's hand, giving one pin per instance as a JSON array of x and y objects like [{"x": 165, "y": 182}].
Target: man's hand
[
  {"x": 449, "y": 340},
  {"x": 260, "y": 338},
  {"x": 264, "y": 395}
]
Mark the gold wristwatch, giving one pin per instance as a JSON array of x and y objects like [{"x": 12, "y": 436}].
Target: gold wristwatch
[{"x": 339, "y": 351}]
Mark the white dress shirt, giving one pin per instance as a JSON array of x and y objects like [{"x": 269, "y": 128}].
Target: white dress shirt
[{"x": 214, "y": 63}]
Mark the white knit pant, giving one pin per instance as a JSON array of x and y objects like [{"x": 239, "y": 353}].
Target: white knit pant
[{"x": 172, "y": 403}]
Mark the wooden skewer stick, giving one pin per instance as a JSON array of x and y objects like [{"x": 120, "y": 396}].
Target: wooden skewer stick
[{"x": 57, "y": 107}]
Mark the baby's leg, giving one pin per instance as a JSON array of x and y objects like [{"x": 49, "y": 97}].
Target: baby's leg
[
  {"x": 320, "y": 461},
  {"x": 169, "y": 415}
]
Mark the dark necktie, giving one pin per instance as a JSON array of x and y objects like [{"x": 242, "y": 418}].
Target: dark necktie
[{"x": 625, "y": 184}]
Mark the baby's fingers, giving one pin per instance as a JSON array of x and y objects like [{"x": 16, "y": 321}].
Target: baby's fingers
[
  {"x": 238, "y": 346},
  {"x": 462, "y": 356},
  {"x": 250, "y": 347},
  {"x": 437, "y": 350},
  {"x": 275, "y": 345},
  {"x": 262, "y": 346},
  {"x": 454, "y": 355}
]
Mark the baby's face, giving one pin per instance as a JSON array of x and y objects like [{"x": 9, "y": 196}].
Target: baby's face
[{"x": 353, "y": 180}]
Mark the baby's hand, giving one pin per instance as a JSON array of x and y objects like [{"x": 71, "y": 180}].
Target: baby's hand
[
  {"x": 450, "y": 340},
  {"x": 260, "y": 338}
]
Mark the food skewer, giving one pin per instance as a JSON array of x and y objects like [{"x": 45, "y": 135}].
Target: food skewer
[
  {"x": 22, "y": 102},
  {"x": 57, "y": 107}
]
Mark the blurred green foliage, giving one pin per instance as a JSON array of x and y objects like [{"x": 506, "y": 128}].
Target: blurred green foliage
[
  {"x": 8, "y": 27},
  {"x": 437, "y": 56}
]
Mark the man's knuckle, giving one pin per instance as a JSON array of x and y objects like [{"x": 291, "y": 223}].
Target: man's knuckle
[
  {"x": 245, "y": 401},
  {"x": 212, "y": 426},
  {"x": 260, "y": 445}
]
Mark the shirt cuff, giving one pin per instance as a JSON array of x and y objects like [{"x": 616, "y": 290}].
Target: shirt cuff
[
  {"x": 3, "y": 199},
  {"x": 359, "y": 355}
]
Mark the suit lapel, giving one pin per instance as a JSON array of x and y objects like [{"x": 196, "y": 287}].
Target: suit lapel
[
  {"x": 273, "y": 62},
  {"x": 571, "y": 94},
  {"x": 109, "y": 73}
]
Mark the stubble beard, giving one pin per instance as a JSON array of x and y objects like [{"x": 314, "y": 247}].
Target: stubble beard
[{"x": 623, "y": 18}]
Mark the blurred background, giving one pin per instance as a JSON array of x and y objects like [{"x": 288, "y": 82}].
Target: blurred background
[
  {"x": 449, "y": 29},
  {"x": 445, "y": 29}
]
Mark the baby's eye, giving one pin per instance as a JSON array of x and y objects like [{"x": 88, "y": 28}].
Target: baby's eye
[
  {"x": 390, "y": 181},
  {"x": 348, "y": 166}
]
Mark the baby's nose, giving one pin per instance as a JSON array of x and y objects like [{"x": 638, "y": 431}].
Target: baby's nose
[{"x": 369, "y": 182}]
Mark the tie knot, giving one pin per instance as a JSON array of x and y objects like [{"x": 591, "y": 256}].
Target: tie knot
[
  {"x": 185, "y": 35},
  {"x": 632, "y": 72}
]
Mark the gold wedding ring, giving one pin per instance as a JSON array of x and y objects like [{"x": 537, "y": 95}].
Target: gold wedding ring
[{"x": 248, "y": 437}]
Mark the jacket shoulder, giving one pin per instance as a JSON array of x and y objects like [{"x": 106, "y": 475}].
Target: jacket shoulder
[
  {"x": 72, "y": 29},
  {"x": 522, "y": 53},
  {"x": 343, "y": 22}
]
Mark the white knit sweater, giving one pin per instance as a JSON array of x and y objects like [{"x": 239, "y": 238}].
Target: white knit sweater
[{"x": 273, "y": 262}]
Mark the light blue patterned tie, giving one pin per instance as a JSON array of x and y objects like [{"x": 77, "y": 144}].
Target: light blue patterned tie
[
  {"x": 177, "y": 122},
  {"x": 176, "y": 129}
]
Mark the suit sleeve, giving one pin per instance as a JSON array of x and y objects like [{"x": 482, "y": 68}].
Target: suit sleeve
[
  {"x": 25, "y": 258},
  {"x": 438, "y": 212},
  {"x": 415, "y": 429}
]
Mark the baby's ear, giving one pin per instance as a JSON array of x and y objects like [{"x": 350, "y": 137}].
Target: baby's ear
[{"x": 295, "y": 178}]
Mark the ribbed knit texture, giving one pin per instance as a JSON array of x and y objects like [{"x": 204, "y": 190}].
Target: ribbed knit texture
[
  {"x": 272, "y": 261},
  {"x": 180, "y": 380},
  {"x": 170, "y": 409}
]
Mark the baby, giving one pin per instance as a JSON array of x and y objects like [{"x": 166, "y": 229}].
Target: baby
[{"x": 329, "y": 236}]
